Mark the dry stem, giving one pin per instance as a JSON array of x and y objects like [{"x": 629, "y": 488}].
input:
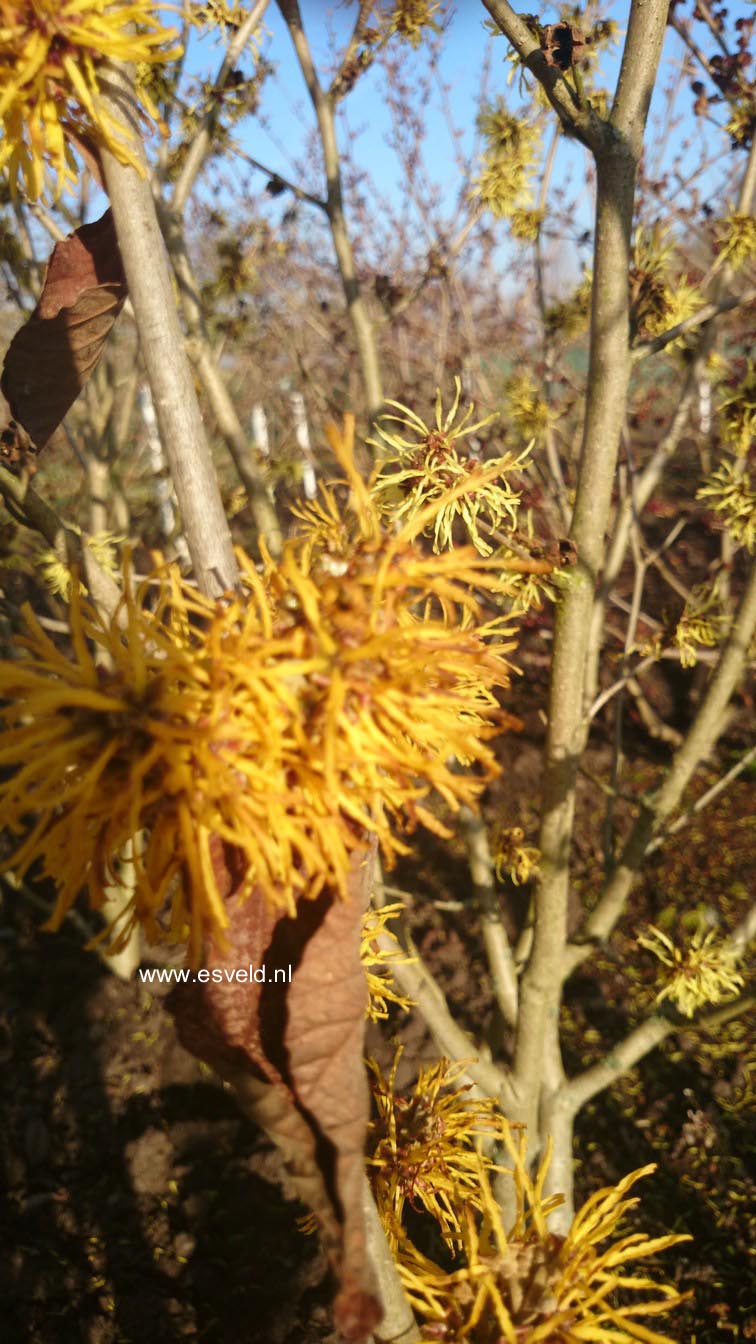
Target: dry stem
[{"x": 162, "y": 344}]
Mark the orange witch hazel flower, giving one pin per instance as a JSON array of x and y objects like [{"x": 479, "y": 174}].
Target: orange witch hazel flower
[{"x": 328, "y": 701}]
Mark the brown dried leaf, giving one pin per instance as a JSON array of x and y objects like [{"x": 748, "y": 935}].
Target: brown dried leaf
[
  {"x": 53, "y": 354},
  {"x": 17, "y": 452},
  {"x": 293, "y": 1051},
  {"x": 563, "y": 45}
]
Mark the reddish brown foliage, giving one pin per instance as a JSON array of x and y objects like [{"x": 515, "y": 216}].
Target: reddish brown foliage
[{"x": 56, "y": 350}]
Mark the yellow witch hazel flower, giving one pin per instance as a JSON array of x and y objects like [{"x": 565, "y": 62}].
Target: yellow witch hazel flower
[
  {"x": 701, "y": 625},
  {"x": 50, "y": 51},
  {"x": 431, "y": 471},
  {"x": 512, "y": 858},
  {"x": 736, "y": 236},
  {"x": 704, "y": 972},
  {"x": 57, "y": 574},
  {"x": 411, "y": 19},
  {"x": 659, "y": 298},
  {"x": 378, "y": 962},
  {"x": 737, "y": 412},
  {"x": 528, "y": 412},
  {"x": 422, "y": 1147},
  {"x": 729, "y": 493},
  {"x": 285, "y": 725},
  {"x": 568, "y": 317},
  {"x": 532, "y": 1286},
  {"x": 504, "y": 183}
]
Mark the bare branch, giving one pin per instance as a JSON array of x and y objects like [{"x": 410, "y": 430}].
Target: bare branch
[
  {"x": 398, "y": 1323},
  {"x": 639, "y": 1043},
  {"x": 226, "y": 417},
  {"x": 277, "y": 177},
  {"x": 498, "y": 951},
  {"x": 580, "y": 121},
  {"x": 359, "y": 316},
  {"x": 648, "y": 479},
  {"x": 706, "y": 798},
  {"x": 360, "y": 24},
  {"x": 419, "y": 984},
  {"x": 697, "y": 319},
  {"x": 699, "y": 741},
  {"x": 162, "y": 343},
  {"x": 608, "y": 376},
  {"x": 683, "y": 32},
  {"x": 705, "y": 13},
  {"x": 203, "y": 137}
]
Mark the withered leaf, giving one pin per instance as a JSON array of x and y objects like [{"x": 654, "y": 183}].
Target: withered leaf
[
  {"x": 17, "y": 452},
  {"x": 54, "y": 353},
  {"x": 562, "y": 45},
  {"x": 293, "y": 1051}
]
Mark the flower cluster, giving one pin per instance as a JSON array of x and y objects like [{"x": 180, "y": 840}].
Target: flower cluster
[
  {"x": 511, "y": 857},
  {"x": 729, "y": 493},
  {"x": 422, "y": 1149},
  {"x": 701, "y": 625},
  {"x": 737, "y": 412},
  {"x": 528, "y": 412},
  {"x": 511, "y": 153},
  {"x": 659, "y": 299},
  {"x": 208, "y": 14},
  {"x": 532, "y": 1286},
  {"x": 328, "y": 701},
  {"x": 742, "y": 120},
  {"x": 57, "y": 575},
  {"x": 568, "y": 317},
  {"x": 704, "y": 972},
  {"x": 50, "y": 51},
  {"x": 378, "y": 961},
  {"x": 524, "y": 224},
  {"x": 736, "y": 237},
  {"x": 411, "y": 19},
  {"x": 434, "y": 478}
]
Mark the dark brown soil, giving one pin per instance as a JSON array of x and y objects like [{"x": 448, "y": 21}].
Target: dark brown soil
[{"x": 139, "y": 1206}]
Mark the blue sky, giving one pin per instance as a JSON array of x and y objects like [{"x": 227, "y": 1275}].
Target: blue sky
[{"x": 286, "y": 107}]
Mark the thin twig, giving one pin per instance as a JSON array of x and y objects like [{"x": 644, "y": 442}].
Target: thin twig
[
  {"x": 420, "y": 985},
  {"x": 704, "y": 801},
  {"x": 495, "y": 940},
  {"x": 699, "y": 741},
  {"x": 202, "y": 137},
  {"x": 697, "y": 319}
]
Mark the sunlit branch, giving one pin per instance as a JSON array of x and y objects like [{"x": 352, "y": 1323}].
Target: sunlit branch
[
  {"x": 697, "y": 319},
  {"x": 359, "y": 317},
  {"x": 278, "y": 178},
  {"x": 360, "y": 24},
  {"x": 655, "y": 810},
  {"x": 495, "y": 940},
  {"x": 582, "y": 122},
  {"x": 617, "y": 157},
  {"x": 420, "y": 985},
  {"x": 162, "y": 345},
  {"x": 202, "y": 138}
]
